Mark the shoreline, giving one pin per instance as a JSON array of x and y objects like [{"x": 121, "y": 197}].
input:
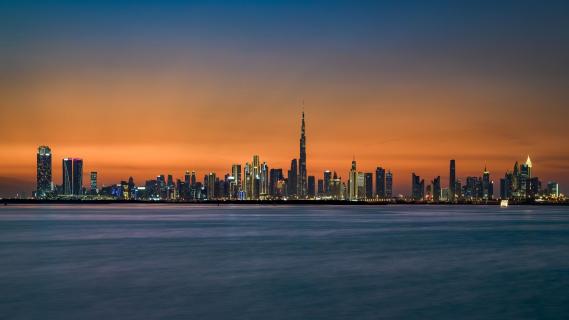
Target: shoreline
[{"x": 6, "y": 202}]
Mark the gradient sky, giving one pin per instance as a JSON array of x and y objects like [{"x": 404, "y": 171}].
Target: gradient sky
[{"x": 144, "y": 88}]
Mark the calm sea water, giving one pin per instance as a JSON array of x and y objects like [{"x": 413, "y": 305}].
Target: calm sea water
[{"x": 262, "y": 262}]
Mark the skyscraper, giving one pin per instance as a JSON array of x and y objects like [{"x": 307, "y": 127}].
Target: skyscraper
[
  {"x": 327, "y": 179},
  {"x": 436, "y": 189},
  {"x": 187, "y": 177},
  {"x": 247, "y": 184},
  {"x": 67, "y": 172},
  {"x": 361, "y": 186},
  {"x": 389, "y": 185},
  {"x": 255, "y": 177},
  {"x": 353, "y": 183},
  {"x": 77, "y": 176},
  {"x": 320, "y": 187},
  {"x": 43, "y": 178},
  {"x": 553, "y": 189},
  {"x": 302, "y": 182},
  {"x": 311, "y": 191},
  {"x": 417, "y": 187},
  {"x": 486, "y": 185},
  {"x": 452, "y": 181},
  {"x": 336, "y": 188},
  {"x": 264, "y": 180},
  {"x": 529, "y": 167},
  {"x": 211, "y": 180},
  {"x": 275, "y": 175},
  {"x": 292, "y": 183},
  {"x": 368, "y": 176},
  {"x": 93, "y": 182},
  {"x": 236, "y": 173},
  {"x": 380, "y": 182}
]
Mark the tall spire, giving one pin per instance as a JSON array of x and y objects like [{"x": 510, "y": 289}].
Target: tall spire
[
  {"x": 528, "y": 162},
  {"x": 302, "y": 130}
]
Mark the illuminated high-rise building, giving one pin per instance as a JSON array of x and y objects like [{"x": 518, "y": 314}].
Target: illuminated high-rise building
[
  {"x": 380, "y": 182},
  {"x": 292, "y": 183},
  {"x": 77, "y": 176},
  {"x": 336, "y": 188},
  {"x": 275, "y": 175},
  {"x": 43, "y": 178},
  {"x": 311, "y": 192},
  {"x": 187, "y": 177},
  {"x": 264, "y": 181},
  {"x": 361, "y": 186},
  {"x": 254, "y": 178},
  {"x": 247, "y": 182},
  {"x": 327, "y": 180},
  {"x": 452, "y": 181},
  {"x": 417, "y": 187},
  {"x": 67, "y": 172},
  {"x": 436, "y": 189},
  {"x": 236, "y": 173},
  {"x": 487, "y": 188},
  {"x": 93, "y": 182},
  {"x": 211, "y": 181},
  {"x": 528, "y": 166},
  {"x": 353, "y": 183},
  {"x": 320, "y": 187},
  {"x": 302, "y": 176},
  {"x": 368, "y": 176},
  {"x": 553, "y": 189},
  {"x": 389, "y": 184}
]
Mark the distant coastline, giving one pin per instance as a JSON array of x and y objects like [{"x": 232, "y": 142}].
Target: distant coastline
[{"x": 272, "y": 202}]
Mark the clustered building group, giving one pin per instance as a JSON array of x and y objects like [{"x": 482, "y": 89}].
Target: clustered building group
[{"x": 255, "y": 181}]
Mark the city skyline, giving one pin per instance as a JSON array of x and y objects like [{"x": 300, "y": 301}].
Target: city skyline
[
  {"x": 73, "y": 180},
  {"x": 72, "y": 183},
  {"x": 207, "y": 85},
  {"x": 257, "y": 181}
]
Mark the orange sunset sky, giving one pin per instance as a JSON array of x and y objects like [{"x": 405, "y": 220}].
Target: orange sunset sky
[{"x": 140, "y": 99}]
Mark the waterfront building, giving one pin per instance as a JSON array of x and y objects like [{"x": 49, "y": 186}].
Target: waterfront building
[
  {"x": 247, "y": 191},
  {"x": 67, "y": 172},
  {"x": 292, "y": 181},
  {"x": 264, "y": 181},
  {"x": 275, "y": 175},
  {"x": 320, "y": 191},
  {"x": 77, "y": 176},
  {"x": 236, "y": 174},
  {"x": 389, "y": 184},
  {"x": 326, "y": 182},
  {"x": 93, "y": 182},
  {"x": 337, "y": 188},
  {"x": 361, "y": 186},
  {"x": 417, "y": 187},
  {"x": 487, "y": 188},
  {"x": 444, "y": 194},
  {"x": 302, "y": 175},
  {"x": 436, "y": 189},
  {"x": 553, "y": 189},
  {"x": 311, "y": 192},
  {"x": 368, "y": 185},
  {"x": 380, "y": 182},
  {"x": 473, "y": 189},
  {"x": 452, "y": 180},
  {"x": 43, "y": 172},
  {"x": 352, "y": 183}
]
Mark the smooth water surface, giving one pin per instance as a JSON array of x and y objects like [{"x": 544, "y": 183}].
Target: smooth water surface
[{"x": 283, "y": 262}]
